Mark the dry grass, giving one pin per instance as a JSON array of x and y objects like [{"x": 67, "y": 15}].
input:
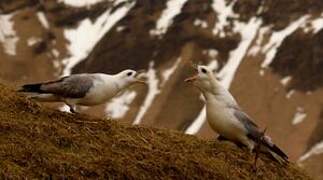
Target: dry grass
[{"x": 36, "y": 142}]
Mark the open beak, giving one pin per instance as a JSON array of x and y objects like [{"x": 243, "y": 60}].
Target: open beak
[
  {"x": 141, "y": 74},
  {"x": 191, "y": 79},
  {"x": 141, "y": 81}
]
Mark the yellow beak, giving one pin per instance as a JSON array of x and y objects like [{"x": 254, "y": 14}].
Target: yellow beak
[
  {"x": 141, "y": 81},
  {"x": 139, "y": 76},
  {"x": 191, "y": 79}
]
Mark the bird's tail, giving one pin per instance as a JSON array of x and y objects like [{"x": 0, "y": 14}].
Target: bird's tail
[
  {"x": 32, "y": 88},
  {"x": 274, "y": 150}
]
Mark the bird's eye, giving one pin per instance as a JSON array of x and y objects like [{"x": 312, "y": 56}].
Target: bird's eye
[
  {"x": 129, "y": 74},
  {"x": 204, "y": 70}
]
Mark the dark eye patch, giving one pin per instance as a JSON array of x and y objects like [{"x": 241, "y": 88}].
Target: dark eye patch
[
  {"x": 204, "y": 70},
  {"x": 129, "y": 74}
]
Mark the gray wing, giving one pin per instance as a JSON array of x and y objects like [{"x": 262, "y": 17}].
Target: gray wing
[
  {"x": 74, "y": 86},
  {"x": 256, "y": 135},
  {"x": 251, "y": 127}
]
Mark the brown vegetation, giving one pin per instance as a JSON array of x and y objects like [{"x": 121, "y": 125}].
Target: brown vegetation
[{"x": 37, "y": 142}]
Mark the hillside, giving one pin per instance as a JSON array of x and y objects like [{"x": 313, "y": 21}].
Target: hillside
[
  {"x": 267, "y": 53},
  {"x": 37, "y": 142}
]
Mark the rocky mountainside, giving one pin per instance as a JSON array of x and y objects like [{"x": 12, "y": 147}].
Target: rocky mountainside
[
  {"x": 42, "y": 143},
  {"x": 268, "y": 53}
]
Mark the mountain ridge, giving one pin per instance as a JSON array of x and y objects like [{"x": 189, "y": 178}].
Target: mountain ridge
[{"x": 267, "y": 53}]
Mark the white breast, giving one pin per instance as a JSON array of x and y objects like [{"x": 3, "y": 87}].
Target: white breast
[
  {"x": 101, "y": 92},
  {"x": 222, "y": 120}
]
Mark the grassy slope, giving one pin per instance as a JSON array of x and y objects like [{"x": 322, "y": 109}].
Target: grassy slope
[{"x": 39, "y": 142}]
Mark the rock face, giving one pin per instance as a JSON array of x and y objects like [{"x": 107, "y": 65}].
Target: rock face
[{"x": 268, "y": 53}]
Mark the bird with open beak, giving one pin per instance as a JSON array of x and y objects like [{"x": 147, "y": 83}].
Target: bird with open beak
[
  {"x": 82, "y": 89},
  {"x": 226, "y": 117}
]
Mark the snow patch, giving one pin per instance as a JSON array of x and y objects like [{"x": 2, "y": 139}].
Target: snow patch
[
  {"x": 43, "y": 20},
  {"x": 277, "y": 39},
  {"x": 198, "y": 122},
  {"x": 299, "y": 116},
  {"x": 153, "y": 91},
  {"x": 120, "y": 28},
  {"x": 248, "y": 33},
  {"x": 119, "y": 106},
  {"x": 285, "y": 80},
  {"x": 173, "y": 8},
  {"x": 168, "y": 72},
  {"x": 290, "y": 93},
  {"x": 80, "y": 3},
  {"x": 55, "y": 53},
  {"x": 317, "y": 25},
  {"x": 212, "y": 53},
  {"x": 258, "y": 44},
  {"x": 315, "y": 150},
  {"x": 200, "y": 23},
  {"x": 224, "y": 12},
  {"x": 83, "y": 38},
  {"x": 227, "y": 73},
  {"x": 8, "y": 36},
  {"x": 33, "y": 40},
  {"x": 314, "y": 26}
]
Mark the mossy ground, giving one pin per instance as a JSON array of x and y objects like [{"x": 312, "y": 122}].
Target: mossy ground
[{"x": 37, "y": 142}]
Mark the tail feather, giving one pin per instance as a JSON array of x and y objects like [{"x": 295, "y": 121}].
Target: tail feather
[
  {"x": 34, "y": 88},
  {"x": 279, "y": 152},
  {"x": 274, "y": 148}
]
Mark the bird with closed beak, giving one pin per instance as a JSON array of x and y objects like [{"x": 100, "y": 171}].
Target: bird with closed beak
[
  {"x": 226, "y": 117},
  {"x": 82, "y": 89}
]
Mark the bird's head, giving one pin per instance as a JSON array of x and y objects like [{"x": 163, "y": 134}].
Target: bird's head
[
  {"x": 131, "y": 77},
  {"x": 203, "y": 78}
]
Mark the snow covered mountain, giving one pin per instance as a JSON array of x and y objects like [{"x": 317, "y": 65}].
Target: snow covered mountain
[{"x": 268, "y": 53}]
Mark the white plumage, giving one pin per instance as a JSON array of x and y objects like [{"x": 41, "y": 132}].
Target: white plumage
[
  {"x": 82, "y": 89},
  {"x": 226, "y": 118}
]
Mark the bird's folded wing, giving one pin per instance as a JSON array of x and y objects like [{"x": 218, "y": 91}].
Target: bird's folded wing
[
  {"x": 256, "y": 135},
  {"x": 251, "y": 127},
  {"x": 74, "y": 86}
]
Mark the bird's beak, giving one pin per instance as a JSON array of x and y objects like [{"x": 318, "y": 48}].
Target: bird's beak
[
  {"x": 191, "y": 79},
  {"x": 140, "y": 75},
  {"x": 141, "y": 81}
]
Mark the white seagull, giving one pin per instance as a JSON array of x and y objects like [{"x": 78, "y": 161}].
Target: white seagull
[
  {"x": 82, "y": 89},
  {"x": 226, "y": 117}
]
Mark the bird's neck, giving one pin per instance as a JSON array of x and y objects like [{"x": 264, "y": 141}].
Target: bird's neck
[
  {"x": 113, "y": 80},
  {"x": 215, "y": 84},
  {"x": 120, "y": 83},
  {"x": 213, "y": 89},
  {"x": 218, "y": 94}
]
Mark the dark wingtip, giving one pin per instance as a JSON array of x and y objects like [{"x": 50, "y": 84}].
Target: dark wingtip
[
  {"x": 279, "y": 152},
  {"x": 30, "y": 88}
]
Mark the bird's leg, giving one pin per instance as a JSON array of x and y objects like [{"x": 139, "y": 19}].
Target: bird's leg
[{"x": 258, "y": 147}]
